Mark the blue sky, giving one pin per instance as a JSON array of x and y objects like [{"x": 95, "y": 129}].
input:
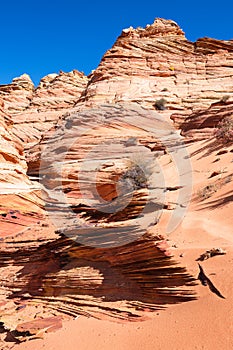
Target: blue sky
[{"x": 41, "y": 37}]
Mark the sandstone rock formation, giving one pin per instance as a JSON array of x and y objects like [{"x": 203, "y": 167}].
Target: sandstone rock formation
[
  {"x": 20, "y": 204},
  {"x": 18, "y": 94},
  {"x": 66, "y": 133},
  {"x": 38, "y": 109},
  {"x": 100, "y": 255},
  {"x": 145, "y": 65},
  {"x": 202, "y": 124}
]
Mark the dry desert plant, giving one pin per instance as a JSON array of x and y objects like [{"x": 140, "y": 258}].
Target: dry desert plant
[
  {"x": 160, "y": 104},
  {"x": 224, "y": 130}
]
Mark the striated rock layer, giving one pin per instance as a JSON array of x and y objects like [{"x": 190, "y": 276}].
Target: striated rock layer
[
  {"x": 61, "y": 253},
  {"x": 38, "y": 109},
  {"x": 202, "y": 124},
  {"x": 18, "y": 94},
  {"x": 21, "y": 204},
  {"x": 102, "y": 258},
  {"x": 145, "y": 65}
]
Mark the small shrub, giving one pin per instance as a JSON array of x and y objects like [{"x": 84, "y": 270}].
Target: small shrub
[
  {"x": 225, "y": 98},
  {"x": 207, "y": 191},
  {"x": 224, "y": 130},
  {"x": 137, "y": 177},
  {"x": 160, "y": 104},
  {"x": 137, "y": 172}
]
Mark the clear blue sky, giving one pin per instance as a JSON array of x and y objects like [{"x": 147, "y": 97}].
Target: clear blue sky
[{"x": 41, "y": 37}]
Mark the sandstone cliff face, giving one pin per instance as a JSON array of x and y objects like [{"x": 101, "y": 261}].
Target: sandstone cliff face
[
  {"x": 21, "y": 204},
  {"x": 18, "y": 94},
  {"x": 36, "y": 110},
  {"x": 202, "y": 124},
  {"x": 87, "y": 271},
  {"x": 11, "y": 148},
  {"x": 58, "y": 91},
  {"x": 145, "y": 65}
]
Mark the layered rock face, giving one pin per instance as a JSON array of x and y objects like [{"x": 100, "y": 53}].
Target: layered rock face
[
  {"x": 20, "y": 204},
  {"x": 145, "y": 65},
  {"x": 11, "y": 150},
  {"x": 58, "y": 91},
  {"x": 38, "y": 109},
  {"x": 99, "y": 255},
  {"x": 18, "y": 94},
  {"x": 81, "y": 136},
  {"x": 202, "y": 124}
]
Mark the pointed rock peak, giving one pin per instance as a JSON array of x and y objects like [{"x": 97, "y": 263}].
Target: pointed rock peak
[
  {"x": 23, "y": 77},
  {"x": 73, "y": 73},
  {"x": 62, "y": 78},
  {"x": 164, "y": 27},
  {"x": 161, "y": 27},
  {"x": 46, "y": 80},
  {"x": 78, "y": 73},
  {"x": 23, "y": 81}
]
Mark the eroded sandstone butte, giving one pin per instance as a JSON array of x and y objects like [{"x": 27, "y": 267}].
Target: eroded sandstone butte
[{"x": 45, "y": 271}]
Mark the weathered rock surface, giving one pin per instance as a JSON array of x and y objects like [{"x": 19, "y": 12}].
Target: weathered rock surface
[
  {"x": 103, "y": 264},
  {"x": 58, "y": 91},
  {"x": 145, "y": 65},
  {"x": 21, "y": 203},
  {"x": 18, "y": 94},
  {"x": 36, "y": 110},
  {"x": 11, "y": 149},
  {"x": 202, "y": 124},
  {"x": 100, "y": 255}
]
